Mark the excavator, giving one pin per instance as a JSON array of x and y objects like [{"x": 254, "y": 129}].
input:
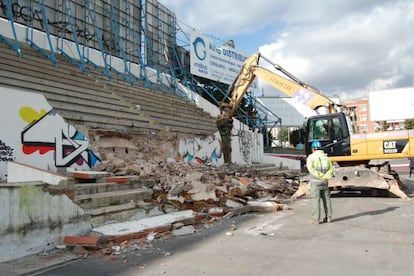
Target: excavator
[{"x": 351, "y": 152}]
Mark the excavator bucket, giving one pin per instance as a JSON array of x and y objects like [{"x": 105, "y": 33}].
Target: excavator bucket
[{"x": 355, "y": 178}]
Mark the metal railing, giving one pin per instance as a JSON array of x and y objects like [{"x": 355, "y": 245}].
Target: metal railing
[{"x": 13, "y": 44}]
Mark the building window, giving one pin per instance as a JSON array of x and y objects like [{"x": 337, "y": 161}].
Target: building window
[{"x": 363, "y": 108}]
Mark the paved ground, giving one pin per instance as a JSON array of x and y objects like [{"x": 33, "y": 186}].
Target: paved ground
[{"x": 368, "y": 236}]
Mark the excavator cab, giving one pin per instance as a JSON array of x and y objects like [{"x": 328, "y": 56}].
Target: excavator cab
[{"x": 333, "y": 131}]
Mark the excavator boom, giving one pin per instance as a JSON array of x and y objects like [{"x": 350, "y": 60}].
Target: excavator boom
[{"x": 291, "y": 86}]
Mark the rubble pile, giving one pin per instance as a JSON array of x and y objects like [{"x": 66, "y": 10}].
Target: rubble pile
[
  {"x": 185, "y": 185},
  {"x": 187, "y": 195},
  {"x": 213, "y": 190}
]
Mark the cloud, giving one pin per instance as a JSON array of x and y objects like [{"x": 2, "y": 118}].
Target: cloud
[{"x": 342, "y": 47}]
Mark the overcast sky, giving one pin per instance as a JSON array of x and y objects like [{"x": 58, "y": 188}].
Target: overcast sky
[{"x": 342, "y": 47}]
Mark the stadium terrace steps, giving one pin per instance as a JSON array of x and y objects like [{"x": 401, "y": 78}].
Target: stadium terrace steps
[
  {"x": 175, "y": 111},
  {"x": 108, "y": 201},
  {"x": 167, "y": 109},
  {"x": 90, "y": 100}
]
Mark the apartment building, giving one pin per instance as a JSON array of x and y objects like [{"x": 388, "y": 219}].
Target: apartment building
[{"x": 359, "y": 111}]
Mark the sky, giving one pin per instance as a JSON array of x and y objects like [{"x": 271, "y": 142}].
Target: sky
[{"x": 345, "y": 48}]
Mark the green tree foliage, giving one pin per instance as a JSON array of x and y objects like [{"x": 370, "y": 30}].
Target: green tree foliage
[
  {"x": 283, "y": 134},
  {"x": 409, "y": 123}
]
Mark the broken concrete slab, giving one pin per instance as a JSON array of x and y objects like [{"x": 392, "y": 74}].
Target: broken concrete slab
[{"x": 130, "y": 227}]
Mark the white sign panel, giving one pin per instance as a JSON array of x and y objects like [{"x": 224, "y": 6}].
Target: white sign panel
[
  {"x": 391, "y": 104},
  {"x": 215, "y": 62}
]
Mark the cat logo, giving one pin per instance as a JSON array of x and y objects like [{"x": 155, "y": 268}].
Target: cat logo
[{"x": 390, "y": 147}]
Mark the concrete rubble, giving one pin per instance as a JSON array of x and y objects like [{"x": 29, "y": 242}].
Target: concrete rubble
[{"x": 188, "y": 196}]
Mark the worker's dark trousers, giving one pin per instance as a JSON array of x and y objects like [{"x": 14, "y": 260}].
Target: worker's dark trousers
[{"x": 321, "y": 192}]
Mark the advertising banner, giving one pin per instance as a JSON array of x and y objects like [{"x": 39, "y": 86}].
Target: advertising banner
[{"x": 215, "y": 62}]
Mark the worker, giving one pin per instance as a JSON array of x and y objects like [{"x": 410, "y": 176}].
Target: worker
[
  {"x": 321, "y": 170},
  {"x": 320, "y": 130}
]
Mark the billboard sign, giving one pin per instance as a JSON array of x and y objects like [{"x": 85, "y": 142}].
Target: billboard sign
[{"x": 215, "y": 62}]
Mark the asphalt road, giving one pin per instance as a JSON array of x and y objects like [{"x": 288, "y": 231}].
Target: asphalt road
[{"x": 368, "y": 236}]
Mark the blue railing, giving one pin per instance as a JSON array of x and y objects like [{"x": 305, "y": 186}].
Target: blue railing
[
  {"x": 50, "y": 54},
  {"x": 13, "y": 44},
  {"x": 61, "y": 40}
]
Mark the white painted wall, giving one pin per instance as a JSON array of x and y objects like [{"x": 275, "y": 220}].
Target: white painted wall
[
  {"x": 19, "y": 173},
  {"x": 33, "y": 134}
]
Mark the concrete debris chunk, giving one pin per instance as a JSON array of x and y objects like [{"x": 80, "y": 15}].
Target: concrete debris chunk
[
  {"x": 204, "y": 196},
  {"x": 233, "y": 203},
  {"x": 185, "y": 230},
  {"x": 193, "y": 176}
]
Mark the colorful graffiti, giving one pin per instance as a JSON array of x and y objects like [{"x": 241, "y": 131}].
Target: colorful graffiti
[
  {"x": 47, "y": 131},
  {"x": 200, "y": 151}
]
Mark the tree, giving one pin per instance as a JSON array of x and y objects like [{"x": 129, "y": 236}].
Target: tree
[
  {"x": 409, "y": 123},
  {"x": 283, "y": 134}
]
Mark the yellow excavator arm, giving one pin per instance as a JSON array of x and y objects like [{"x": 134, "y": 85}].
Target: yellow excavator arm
[{"x": 291, "y": 86}]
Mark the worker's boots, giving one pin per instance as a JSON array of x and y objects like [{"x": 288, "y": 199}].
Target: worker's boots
[{"x": 327, "y": 219}]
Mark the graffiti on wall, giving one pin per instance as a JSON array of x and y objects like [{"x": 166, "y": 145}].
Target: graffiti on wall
[
  {"x": 6, "y": 152},
  {"x": 29, "y": 16},
  {"x": 47, "y": 131},
  {"x": 200, "y": 151},
  {"x": 245, "y": 142}
]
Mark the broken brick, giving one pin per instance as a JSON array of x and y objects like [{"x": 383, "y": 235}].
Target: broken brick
[
  {"x": 82, "y": 241},
  {"x": 117, "y": 179},
  {"x": 244, "y": 180}
]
